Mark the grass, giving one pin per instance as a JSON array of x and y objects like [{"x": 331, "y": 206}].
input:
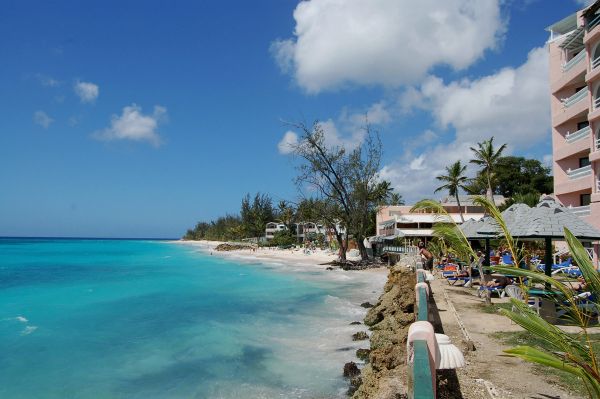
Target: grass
[
  {"x": 555, "y": 376},
  {"x": 493, "y": 308}
]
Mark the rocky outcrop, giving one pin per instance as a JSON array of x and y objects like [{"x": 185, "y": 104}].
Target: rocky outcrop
[
  {"x": 385, "y": 374},
  {"x": 232, "y": 247}
]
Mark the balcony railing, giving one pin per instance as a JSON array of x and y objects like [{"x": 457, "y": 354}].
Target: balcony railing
[
  {"x": 578, "y": 135},
  {"x": 575, "y": 98},
  {"x": 574, "y": 61},
  {"x": 579, "y": 172},
  {"x": 581, "y": 210},
  {"x": 597, "y": 144},
  {"x": 592, "y": 23},
  {"x": 595, "y": 62}
]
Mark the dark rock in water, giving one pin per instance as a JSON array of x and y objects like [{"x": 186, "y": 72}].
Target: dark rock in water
[
  {"x": 363, "y": 354},
  {"x": 355, "y": 323},
  {"x": 355, "y": 382},
  {"x": 329, "y": 268},
  {"x": 351, "y": 370},
  {"x": 344, "y": 349},
  {"x": 360, "y": 336},
  {"x": 366, "y": 305}
]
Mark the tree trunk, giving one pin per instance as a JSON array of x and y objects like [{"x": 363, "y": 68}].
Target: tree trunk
[
  {"x": 343, "y": 247},
  {"x": 361, "y": 248},
  {"x": 462, "y": 219},
  {"x": 490, "y": 192}
]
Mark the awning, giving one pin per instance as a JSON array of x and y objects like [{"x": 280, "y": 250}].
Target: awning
[
  {"x": 574, "y": 40},
  {"x": 387, "y": 224}
]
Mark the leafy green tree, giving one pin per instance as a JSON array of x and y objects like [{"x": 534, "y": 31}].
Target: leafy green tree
[
  {"x": 486, "y": 156},
  {"x": 395, "y": 199},
  {"x": 455, "y": 181},
  {"x": 349, "y": 179},
  {"x": 256, "y": 213},
  {"x": 514, "y": 175}
]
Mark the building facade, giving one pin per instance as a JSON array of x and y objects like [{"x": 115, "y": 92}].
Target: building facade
[
  {"x": 574, "y": 49},
  {"x": 400, "y": 222}
]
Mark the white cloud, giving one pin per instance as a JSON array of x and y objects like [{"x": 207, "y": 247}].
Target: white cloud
[
  {"x": 132, "y": 124},
  {"x": 584, "y": 3},
  {"x": 47, "y": 81},
  {"x": 512, "y": 104},
  {"x": 384, "y": 42},
  {"x": 87, "y": 91},
  {"x": 288, "y": 142},
  {"x": 347, "y": 131},
  {"x": 413, "y": 175},
  {"x": 42, "y": 119}
]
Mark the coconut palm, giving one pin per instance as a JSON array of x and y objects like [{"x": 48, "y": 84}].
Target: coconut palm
[
  {"x": 455, "y": 180},
  {"x": 486, "y": 156},
  {"x": 396, "y": 199},
  {"x": 573, "y": 353}
]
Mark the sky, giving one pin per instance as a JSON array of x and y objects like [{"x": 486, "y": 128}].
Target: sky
[{"x": 139, "y": 119}]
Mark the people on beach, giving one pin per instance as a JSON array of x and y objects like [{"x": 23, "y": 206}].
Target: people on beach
[
  {"x": 426, "y": 256},
  {"x": 499, "y": 281}
]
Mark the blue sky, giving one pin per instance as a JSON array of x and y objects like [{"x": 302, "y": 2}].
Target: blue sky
[{"x": 137, "y": 119}]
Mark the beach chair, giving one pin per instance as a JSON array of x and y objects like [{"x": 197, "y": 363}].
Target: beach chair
[
  {"x": 507, "y": 259},
  {"x": 514, "y": 291}
]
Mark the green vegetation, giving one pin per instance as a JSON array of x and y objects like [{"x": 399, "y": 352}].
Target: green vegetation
[
  {"x": 454, "y": 180},
  {"x": 486, "y": 156},
  {"x": 346, "y": 180},
  {"x": 572, "y": 354},
  {"x": 562, "y": 378}
]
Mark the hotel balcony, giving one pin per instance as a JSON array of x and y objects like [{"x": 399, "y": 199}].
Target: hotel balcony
[
  {"x": 575, "y": 143},
  {"x": 573, "y": 106},
  {"x": 581, "y": 210},
  {"x": 579, "y": 172},
  {"x": 572, "y": 71},
  {"x": 595, "y": 154},
  {"x": 592, "y": 29},
  {"x": 578, "y": 180}
]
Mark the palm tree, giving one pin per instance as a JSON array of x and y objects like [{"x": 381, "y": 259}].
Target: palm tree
[
  {"x": 487, "y": 156},
  {"x": 455, "y": 180},
  {"x": 572, "y": 353},
  {"x": 396, "y": 199}
]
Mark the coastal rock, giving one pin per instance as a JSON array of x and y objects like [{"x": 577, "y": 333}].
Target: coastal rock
[
  {"x": 383, "y": 377},
  {"x": 351, "y": 370},
  {"x": 363, "y": 354},
  {"x": 366, "y": 305},
  {"x": 359, "y": 336},
  {"x": 355, "y": 323},
  {"x": 232, "y": 247}
]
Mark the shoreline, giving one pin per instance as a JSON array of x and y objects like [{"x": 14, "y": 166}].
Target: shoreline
[{"x": 315, "y": 268}]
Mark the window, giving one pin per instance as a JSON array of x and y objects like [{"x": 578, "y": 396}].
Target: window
[
  {"x": 585, "y": 199},
  {"x": 583, "y": 124},
  {"x": 585, "y": 161}
]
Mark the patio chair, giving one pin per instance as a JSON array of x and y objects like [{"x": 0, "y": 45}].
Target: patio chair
[
  {"x": 586, "y": 302},
  {"x": 514, "y": 291},
  {"x": 507, "y": 259}
]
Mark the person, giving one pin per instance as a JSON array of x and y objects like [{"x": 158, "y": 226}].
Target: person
[
  {"x": 426, "y": 256},
  {"x": 499, "y": 281}
]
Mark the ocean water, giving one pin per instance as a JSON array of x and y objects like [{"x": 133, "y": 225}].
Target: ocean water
[{"x": 151, "y": 319}]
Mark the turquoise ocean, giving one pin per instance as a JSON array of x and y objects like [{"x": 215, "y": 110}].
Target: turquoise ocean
[{"x": 155, "y": 319}]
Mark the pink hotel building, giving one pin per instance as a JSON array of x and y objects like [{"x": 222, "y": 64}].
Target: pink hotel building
[{"x": 574, "y": 48}]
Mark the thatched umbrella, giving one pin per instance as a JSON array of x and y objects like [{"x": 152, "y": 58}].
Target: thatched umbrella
[{"x": 547, "y": 221}]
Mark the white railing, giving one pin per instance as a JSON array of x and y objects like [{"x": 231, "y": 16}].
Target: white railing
[
  {"x": 595, "y": 62},
  {"x": 579, "y": 172},
  {"x": 578, "y": 135},
  {"x": 574, "y": 61},
  {"x": 575, "y": 98},
  {"x": 596, "y": 102},
  {"x": 593, "y": 22},
  {"x": 590, "y": 252},
  {"x": 581, "y": 210},
  {"x": 598, "y": 144}
]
